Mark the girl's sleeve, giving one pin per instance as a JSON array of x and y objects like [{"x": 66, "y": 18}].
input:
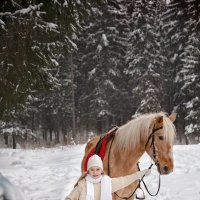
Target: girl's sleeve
[
  {"x": 122, "y": 182},
  {"x": 75, "y": 194}
]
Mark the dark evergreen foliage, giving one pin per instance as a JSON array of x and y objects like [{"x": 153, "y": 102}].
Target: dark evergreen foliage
[
  {"x": 70, "y": 67},
  {"x": 143, "y": 57},
  {"x": 34, "y": 34}
]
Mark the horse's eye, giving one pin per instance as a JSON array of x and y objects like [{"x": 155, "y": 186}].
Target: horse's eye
[{"x": 161, "y": 137}]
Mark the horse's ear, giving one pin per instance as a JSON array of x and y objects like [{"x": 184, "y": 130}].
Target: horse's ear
[
  {"x": 159, "y": 119},
  {"x": 172, "y": 117}
]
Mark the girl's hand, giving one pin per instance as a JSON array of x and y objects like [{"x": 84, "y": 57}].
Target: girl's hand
[{"x": 145, "y": 172}]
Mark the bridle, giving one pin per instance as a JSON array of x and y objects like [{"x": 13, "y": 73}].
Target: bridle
[
  {"x": 152, "y": 138},
  {"x": 152, "y": 135}
]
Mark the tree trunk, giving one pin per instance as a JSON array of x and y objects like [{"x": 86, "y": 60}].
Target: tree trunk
[
  {"x": 44, "y": 135},
  {"x": 73, "y": 98},
  {"x": 32, "y": 121},
  {"x": 14, "y": 141},
  {"x": 57, "y": 136},
  {"x": 186, "y": 139},
  {"x": 50, "y": 135},
  {"x": 6, "y": 139}
]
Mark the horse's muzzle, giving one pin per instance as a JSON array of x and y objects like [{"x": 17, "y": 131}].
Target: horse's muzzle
[{"x": 164, "y": 170}]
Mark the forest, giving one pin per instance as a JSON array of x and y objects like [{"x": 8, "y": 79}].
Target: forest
[{"x": 71, "y": 69}]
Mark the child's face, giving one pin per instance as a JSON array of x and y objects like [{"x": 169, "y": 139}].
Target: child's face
[{"x": 95, "y": 172}]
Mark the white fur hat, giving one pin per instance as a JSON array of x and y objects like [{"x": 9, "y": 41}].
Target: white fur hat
[{"x": 95, "y": 161}]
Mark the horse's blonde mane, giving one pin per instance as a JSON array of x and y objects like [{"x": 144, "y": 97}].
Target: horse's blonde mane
[{"x": 128, "y": 136}]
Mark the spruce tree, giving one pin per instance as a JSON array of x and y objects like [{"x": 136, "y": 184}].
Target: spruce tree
[
  {"x": 33, "y": 34},
  {"x": 143, "y": 63},
  {"x": 101, "y": 81},
  {"x": 189, "y": 75}
]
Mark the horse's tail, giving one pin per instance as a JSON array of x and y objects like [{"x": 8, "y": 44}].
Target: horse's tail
[{"x": 90, "y": 145}]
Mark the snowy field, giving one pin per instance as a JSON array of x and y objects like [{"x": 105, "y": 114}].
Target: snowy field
[{"x": 49, "y": 174}]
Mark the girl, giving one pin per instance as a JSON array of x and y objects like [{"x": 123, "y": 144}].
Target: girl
[{"x": 94, "y": 185}]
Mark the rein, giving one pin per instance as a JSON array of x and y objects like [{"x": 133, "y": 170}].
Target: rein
[
  {"x": 109, "y": 171},
  {"x": 156, "y": 163}
]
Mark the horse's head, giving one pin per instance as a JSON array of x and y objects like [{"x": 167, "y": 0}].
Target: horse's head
[{"x": 159, "y": 144}]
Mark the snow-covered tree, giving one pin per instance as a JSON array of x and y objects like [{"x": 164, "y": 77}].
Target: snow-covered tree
[
  {"x": 175, "y": 37},
  {"x": 33, "y": 34},
  {"x": 101, "y": 63},
  {"x": 36, "y": 38},
  {"x": 189, "y": 76},
  {"x": 143, "y": 57}
]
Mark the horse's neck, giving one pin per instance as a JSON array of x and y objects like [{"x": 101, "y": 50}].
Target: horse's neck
[
  {"x": 131, "y": 157},
  {"x": 124, "y": 162}
]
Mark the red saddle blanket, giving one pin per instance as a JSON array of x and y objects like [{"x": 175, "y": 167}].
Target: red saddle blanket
[{"x": 100, "y": 147}]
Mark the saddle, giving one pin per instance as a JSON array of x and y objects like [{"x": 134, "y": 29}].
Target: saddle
[{"x": 100, "y": 147}]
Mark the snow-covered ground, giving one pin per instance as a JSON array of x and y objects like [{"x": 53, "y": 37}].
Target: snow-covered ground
[{"x": 49, "y": 174}]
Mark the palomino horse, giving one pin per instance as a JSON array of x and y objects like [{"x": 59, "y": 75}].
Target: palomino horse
[{"x": 153, "y": 133}]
